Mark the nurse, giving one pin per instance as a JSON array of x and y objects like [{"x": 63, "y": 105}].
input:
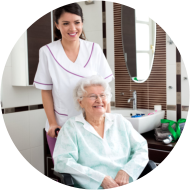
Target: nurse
[{"x": 63, "y": 63}]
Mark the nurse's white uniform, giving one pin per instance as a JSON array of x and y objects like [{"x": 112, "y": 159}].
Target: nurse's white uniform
[{"x": 58, "y": 73}]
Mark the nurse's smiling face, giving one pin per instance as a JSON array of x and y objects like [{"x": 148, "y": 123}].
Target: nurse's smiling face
[
  {"x": 70, "y": 26},
  {"x": 94, "y": 106}
]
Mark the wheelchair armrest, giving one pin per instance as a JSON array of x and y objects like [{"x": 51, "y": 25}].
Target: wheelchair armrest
[
  {"x": 149, "y": 167},
  {"x": 65, "y": 178}
]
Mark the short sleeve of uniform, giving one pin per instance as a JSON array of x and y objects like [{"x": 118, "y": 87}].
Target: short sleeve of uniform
[
  {"x": 42, "y": 78},
  {"x": 103, "y": 68}
]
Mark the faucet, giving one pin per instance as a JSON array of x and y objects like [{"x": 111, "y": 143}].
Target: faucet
[{"x": 134, "y": 99}]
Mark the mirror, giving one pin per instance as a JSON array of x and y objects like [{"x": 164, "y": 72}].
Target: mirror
[{"x": 139, "y": 39}]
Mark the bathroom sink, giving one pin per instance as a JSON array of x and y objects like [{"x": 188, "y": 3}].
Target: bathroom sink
[{"x": 141, "y": 124}]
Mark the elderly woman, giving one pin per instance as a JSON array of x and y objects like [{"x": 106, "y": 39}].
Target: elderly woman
[{"x": 99, "y": 149}]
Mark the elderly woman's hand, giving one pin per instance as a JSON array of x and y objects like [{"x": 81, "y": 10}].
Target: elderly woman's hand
[
  {"x": 122, "y": 178},
  {"x": 108, "y": 182}
]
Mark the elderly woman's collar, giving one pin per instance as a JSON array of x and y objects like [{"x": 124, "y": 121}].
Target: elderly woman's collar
[{"x": 81, "y": 118}]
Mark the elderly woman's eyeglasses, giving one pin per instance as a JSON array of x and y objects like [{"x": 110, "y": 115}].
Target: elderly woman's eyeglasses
[{"x": 95, "y": 96}]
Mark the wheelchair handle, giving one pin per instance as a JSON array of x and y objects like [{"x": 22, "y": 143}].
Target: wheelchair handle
[{"x": 56, "y": 130}]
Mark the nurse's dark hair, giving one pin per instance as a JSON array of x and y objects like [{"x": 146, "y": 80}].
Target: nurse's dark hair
[{"x": 73, "y": 8}]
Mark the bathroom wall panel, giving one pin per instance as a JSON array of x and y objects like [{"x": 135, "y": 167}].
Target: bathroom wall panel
[
  {"x": 38, "y": 35},
  {"x": 37, "y": 120},
  {"x": 26, "y": 154},
  {"x": 34, "y": 95},
  {"x": 12, "y": 96},
  {"x": 95, "y": 36},
  {"x": 171, "y": 82},
  {"x": 149, "y": 93},
  {"x": 157, "y": 78},
  {"x": 171, "y": 52},
  {"x": 109, "y": 16},
  {"x": 171, "y": 115},
  {"x": 184, "y": 114},
  {"x": 122, "y": 78},
  {"x": 18, "y": 127},
  {"x": 37, "y": 158},
  {"x": 184, "y": 86},
  {"x": 110, "y": 58},
  {"x": 142, "y": 94},
  {"x": 92, "y": 16},
  {"x": 8, "y": 63}
]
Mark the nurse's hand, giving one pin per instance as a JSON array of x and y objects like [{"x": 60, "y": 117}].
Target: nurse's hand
[
  {"x": 51, "y": 131},
  {"x": 108, "y": 182}
]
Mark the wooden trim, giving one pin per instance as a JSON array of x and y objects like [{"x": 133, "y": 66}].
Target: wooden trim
[
  {"x": 178, "y": 56},
  {"x": 112, "y": 103},
  {"x": 104, "y": 27},
  {"x": 171, "y": 107},
  {"x": 178, "y": 111},
  {"x": 178, "y": 85},
  {"x": 184, "y": 108},
  {"x": 22, "y": 108},
  {"x": 38, "y": 35}
]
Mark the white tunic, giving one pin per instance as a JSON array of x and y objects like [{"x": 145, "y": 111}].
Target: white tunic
[{"x": 58, "y": 73}]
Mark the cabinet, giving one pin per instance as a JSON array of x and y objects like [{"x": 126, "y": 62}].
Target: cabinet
[
  {"x": 25, "y": 54},
  {"x": 158, "y": 151}
]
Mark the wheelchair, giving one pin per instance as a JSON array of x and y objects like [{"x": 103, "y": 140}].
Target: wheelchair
[{"x": 67, "y": 180}]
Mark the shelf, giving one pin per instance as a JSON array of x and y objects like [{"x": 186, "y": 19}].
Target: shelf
[{"x": 153, "y": 144}]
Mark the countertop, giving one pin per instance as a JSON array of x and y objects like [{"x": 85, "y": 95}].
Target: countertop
[{"x": 152, "y": 143}]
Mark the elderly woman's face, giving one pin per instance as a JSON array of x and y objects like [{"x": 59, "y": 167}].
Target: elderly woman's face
[{"x": 91, "y": 104}]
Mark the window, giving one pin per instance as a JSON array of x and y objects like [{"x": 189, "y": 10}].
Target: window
[{"x": 144, "y": 44}]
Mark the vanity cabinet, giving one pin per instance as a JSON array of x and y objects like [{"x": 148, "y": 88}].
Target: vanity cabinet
[
  {"x": 25, "y": 54},
  {"x": 158, "y": 151}
]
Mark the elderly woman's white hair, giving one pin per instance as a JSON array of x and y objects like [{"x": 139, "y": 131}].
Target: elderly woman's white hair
[{"x": 94, "y": 80}]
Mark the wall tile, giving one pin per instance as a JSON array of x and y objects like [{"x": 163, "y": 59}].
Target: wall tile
[
  {"x": 111, "y": 59},
  {"x": 171, "y": 81},
  {"x": 1, "y": 95},
  {"x": 170, "y": 53},
  {"x": 92, "y": 16},
  {"x": 37, "y": 120},
  {"x": 26, "y": 154},
  {"x": 95, "y": 36},
  {"x": 34, "y": 95},
  {"x": 184, "y": 114},
  {"x": 110, "y": 49},
  {"x": 109, "y": 16},
  {"x": 171, "y": 115},
  {"x": 37, "y": 158},
  {"x": 8, "y": 63},
  {"x": 184, "y": 86},
  {"x": 18, "y": 127},
  {"x": 12, "y": 96}
]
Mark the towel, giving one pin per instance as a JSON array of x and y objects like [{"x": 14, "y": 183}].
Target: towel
[
  {"x": 164, "y": 127},
  {"x": 161, "y": 135},
  {"x": 181, "y": 125}
]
